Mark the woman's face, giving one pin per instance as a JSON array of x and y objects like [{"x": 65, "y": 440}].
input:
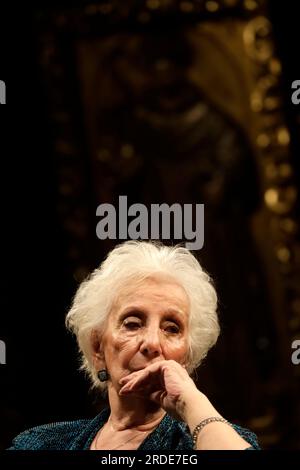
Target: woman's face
[{"x": 148, "y": 323}]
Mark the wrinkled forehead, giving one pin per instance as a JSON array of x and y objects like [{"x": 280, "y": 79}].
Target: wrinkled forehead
[{"x": 153, "y": 289}]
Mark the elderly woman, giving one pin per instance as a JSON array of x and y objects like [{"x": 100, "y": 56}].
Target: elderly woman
[{"x": 144, "y": 321}]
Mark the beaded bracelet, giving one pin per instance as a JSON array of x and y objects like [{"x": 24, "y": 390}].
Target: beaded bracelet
[{"x": 201, "y": 425}]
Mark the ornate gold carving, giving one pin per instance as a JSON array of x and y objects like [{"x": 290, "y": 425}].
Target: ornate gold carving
[
  {"x": 273, "y": 144},
  {"x": 281, "y": 200},
  {"x": 277, "y": 178},
  {"x": 212, "y": 6},
  {"x": 258, "y": 43},
  {"x": 265, "y": 97}
]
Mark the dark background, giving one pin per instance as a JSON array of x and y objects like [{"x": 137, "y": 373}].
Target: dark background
[{"x": 40, "y": 382}]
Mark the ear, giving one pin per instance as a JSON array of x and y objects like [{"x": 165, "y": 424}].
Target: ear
[{"x": 97, "y": 350}]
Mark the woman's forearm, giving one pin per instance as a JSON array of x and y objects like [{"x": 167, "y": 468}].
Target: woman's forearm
[{"x": 214, "y": 435}]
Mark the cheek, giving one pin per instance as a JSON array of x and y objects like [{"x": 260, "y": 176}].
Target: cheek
[
  {"x": 121, "y": 344},
  {"x": 176, "y": 349}
]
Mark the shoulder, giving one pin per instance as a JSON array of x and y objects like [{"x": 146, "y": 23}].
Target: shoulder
[{"x": 52, "y": 436}]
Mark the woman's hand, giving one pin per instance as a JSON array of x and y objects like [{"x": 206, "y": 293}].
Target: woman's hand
[{"x": 166, "y": 383}]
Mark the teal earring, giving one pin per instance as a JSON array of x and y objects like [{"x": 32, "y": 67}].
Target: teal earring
[{"x": 103, "y": 375}]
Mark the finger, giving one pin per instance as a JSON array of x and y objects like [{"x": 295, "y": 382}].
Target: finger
[
  {"x": 130, "y": 386},
  {"x": 129, "y": 377},
  {"x": 143, "y": 383},
  {"x": 152, "y": 368},
  {"x": 141, "y": 377},
  {"x": 146, "y": 382}
]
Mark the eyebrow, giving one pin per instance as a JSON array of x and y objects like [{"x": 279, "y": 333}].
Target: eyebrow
[{"x": 139, "y": 309}]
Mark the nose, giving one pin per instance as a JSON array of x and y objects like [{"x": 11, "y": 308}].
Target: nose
[{"x": 151, "y": 343}]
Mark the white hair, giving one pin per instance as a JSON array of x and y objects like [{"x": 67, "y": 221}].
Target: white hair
[{"x": 135, "y": 261}]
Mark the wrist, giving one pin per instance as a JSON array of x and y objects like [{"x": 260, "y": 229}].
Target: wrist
[
  {"x": 201, "y": 426},
  {"x": 197, "y": 408}
]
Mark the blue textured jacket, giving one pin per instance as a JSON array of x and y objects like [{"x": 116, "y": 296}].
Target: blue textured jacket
[{"x": 78, "y": 435}]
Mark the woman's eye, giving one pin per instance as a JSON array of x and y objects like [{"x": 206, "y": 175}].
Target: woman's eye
[
  {"x": 172, "y": 328},
  {"x": 132, "y": 324}
]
